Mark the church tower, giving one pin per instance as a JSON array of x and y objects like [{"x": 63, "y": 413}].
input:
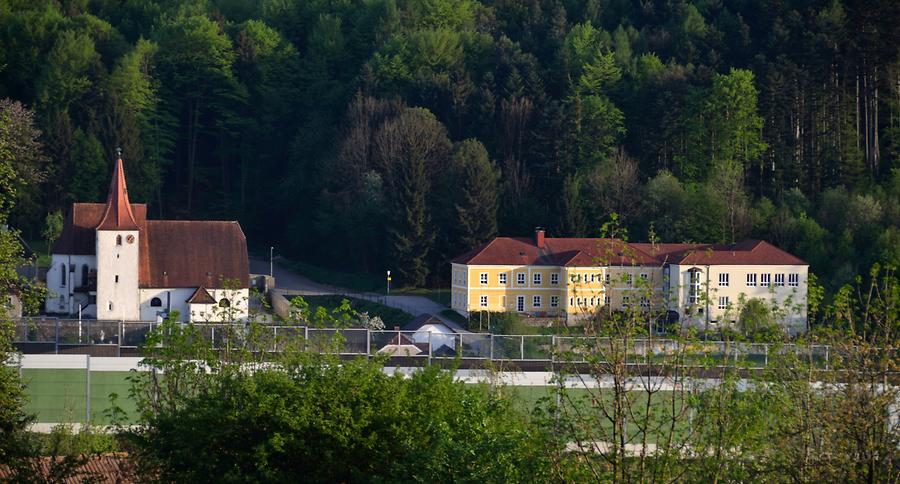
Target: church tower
[{"x": 118, "y": 254}]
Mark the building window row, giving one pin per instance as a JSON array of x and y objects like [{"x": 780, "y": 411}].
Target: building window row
[{"x": 765, "y": 280}]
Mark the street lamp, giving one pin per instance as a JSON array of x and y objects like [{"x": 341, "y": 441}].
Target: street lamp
[
  {"x": 389, "y": 283},
  {"x": 271, "y": 266}
]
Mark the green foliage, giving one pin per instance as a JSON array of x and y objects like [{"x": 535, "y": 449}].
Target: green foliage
[
  {"x": 52, "y": 228},
  {"x": 89, "y": 169},
  {"x": 477, "y": 202},
  {"x": 307, "y": 417},
  {"x": 249, "y": 110}
]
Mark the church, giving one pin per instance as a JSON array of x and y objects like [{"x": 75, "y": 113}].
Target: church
[{"x": 111, "y": 263}]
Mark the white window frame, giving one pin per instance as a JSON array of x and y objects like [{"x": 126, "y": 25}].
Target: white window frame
[
  {"x": 483, "y": 301},
  {"x": 520, "y": 278},
  {"x": 554, "y": 301},
  {"x": 483, "y": 278},
  {"x": 626, "y": 300},
  {"x": 723, "y": 302},
  {"x": 765, "y": 279},
  {"x": 644, "y": 302},
  {"x": 751, "y": 280},
  {"x": 779, "y": 280},
  {"x": 793, "y": 280},
  {"x": 606, "y": 300},
  {"x": 501, "y": 278},
  {"x": 694, "y": 278},
  {"x": 536, "y": 302},
  {"x": 644, "y": 276},
  {"x": 520, "y": 304},
  {"x": 724, "y": 279},
  {"x": 554, "y": 278},
  {"x": 537, "y": 278}
]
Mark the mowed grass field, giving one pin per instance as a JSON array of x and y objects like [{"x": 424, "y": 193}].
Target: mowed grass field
[{"x": 61, "y": 396}]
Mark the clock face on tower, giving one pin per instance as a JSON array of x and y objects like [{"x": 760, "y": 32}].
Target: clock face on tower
[{"x": 130, "y": 239}]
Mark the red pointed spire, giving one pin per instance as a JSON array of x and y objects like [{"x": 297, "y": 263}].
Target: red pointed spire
[{"x": 118, "y": 214}]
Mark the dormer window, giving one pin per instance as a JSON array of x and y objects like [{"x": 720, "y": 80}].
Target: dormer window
[{"x": 156, "y": 303}]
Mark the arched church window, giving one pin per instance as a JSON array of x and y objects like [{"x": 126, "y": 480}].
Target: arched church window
[
  {"x": 156, "y": 302},
  {"x": 118, "y": 240},
  {"x": 224, "y": 303}
]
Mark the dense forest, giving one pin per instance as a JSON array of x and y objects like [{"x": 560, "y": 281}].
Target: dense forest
[{"x": 373, "y": 134}]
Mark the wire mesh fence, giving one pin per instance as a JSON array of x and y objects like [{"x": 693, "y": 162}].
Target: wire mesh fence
[{"x": 46, "y": 335}]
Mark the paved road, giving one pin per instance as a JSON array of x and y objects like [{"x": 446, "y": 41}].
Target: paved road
[{"x": 286, "y": 279}]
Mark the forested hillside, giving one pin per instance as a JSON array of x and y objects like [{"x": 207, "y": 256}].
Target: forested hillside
[{"x": 374, "y": 134}]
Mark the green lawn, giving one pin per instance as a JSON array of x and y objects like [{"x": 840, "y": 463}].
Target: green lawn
[
  {"x": 440, "y": 296},
  {"x": 526, "y": 399},
  {"x": 354, "y": 281},
  {"x": 391, "y": 316},
  {"x": 60, "y": 395},
  {"x": 361, "y": 281},
  {"x": 40, "y": 248},
  {"x": 455, "y": 317}
]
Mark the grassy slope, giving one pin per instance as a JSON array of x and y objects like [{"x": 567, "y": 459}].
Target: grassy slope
[{"x": 390, "y": 316}]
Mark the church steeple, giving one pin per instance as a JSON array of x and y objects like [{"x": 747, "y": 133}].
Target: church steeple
[{"x": 118, "y": 214}]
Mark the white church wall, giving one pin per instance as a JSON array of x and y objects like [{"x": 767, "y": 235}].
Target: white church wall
[
  {"x": 172, "y": 299},
  {"x": 117, "y": 275},
  {"x": 238, "y": 302},
  {"x": 62, "y": 298}
]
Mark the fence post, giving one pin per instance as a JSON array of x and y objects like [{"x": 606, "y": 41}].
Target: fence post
[
  {"x": 121, "y": 335},
  {"x": 491, "y": 353},
  {"x": 522, "y": 346},
  {"x": 552, "y": 348},
  {"x": 306, "y": 337},
  {"x": 826, "y": 357},
  {"x": 57, "y": 337},
  {"x": 87, "y": 402},
  {"x": 429, "y": 348},
  {"x": 767, "y": 355},
  {"x": 368, "y": 343},
  {"x": 274, "y": 339}
]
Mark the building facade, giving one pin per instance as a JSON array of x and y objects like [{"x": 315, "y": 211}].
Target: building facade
[
  {"x": 705, "y": 285},
  {"x": 111, "y": 263}
]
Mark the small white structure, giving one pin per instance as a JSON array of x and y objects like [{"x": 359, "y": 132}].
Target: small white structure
[
  {"x": 111, "y": 263},
  {"x": 430, "y": 329}
]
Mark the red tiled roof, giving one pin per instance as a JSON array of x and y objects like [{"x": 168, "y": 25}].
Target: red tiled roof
[
  {"x": 748, "y": 252},
  {"x": 585, "y": 252},
  {"x": 579, "y": 252},
  {"x": 173, "y": 253},
  {"x": 201, "y": 296},
  {"x": 182, "y": 253},
  {"x": 78, "y": 236},
  {"x": 118, "y": 215},
  {"x": 106, "y": 468}
]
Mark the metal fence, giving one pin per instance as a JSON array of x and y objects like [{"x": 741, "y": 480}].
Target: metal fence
[{"x": 118, "y": 338}]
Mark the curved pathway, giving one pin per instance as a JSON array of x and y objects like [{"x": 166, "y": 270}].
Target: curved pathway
[{"x": 286, "y": 279}]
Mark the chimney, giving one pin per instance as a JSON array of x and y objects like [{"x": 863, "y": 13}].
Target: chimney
[{"x": 539, "y": 237}]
